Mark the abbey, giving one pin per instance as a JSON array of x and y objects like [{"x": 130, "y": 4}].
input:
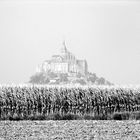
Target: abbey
[{"x": 65, "y": 62}]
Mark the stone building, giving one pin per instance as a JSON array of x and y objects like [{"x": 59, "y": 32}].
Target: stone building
[{"x": 65, "y": 62}]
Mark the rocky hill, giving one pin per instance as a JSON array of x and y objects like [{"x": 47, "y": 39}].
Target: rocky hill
[
  {"x": 64, "y": 78},
  {"x": 65, "y": 68}
]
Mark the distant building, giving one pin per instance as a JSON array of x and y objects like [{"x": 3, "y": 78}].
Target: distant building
[{"x": 65, "y": 62}]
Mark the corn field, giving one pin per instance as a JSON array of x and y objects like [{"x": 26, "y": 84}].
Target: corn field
[{"x": 45, "y": 100}]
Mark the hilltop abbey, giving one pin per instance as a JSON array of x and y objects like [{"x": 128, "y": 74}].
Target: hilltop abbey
[{"x": 65, "y": 62}]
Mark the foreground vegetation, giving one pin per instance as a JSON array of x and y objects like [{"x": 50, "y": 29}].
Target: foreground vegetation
[{"x": 58, "y": 103}]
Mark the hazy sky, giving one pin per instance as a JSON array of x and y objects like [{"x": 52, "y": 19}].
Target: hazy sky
[{"x": 105, "y": 33}]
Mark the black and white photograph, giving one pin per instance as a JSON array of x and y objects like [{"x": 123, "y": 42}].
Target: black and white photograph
[{"x": 69, "y": 70}]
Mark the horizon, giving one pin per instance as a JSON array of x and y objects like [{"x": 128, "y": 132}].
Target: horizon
[{"x": 104, "y": 33}]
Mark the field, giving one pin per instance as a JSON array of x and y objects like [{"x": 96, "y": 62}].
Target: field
[
  {"x": 40, "y": 102},
  {"x": 48, "y": 112},
  {"x": 70, "y": 130}
]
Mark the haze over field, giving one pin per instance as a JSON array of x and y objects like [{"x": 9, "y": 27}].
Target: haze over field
[{"x": 105, "y": 33}]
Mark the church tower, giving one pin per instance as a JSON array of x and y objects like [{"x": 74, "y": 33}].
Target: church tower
[
  {"x": 64, "y": 49},
  {"x": 64, "y": 52}
]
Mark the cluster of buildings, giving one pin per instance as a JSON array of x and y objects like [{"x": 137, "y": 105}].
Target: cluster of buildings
[{"x": 65, "y": 62}]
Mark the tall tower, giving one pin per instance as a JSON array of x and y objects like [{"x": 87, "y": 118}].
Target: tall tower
[{"x": 64, "y": 49}]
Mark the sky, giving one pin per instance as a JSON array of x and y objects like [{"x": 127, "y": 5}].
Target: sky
[{"x": 105, "y": 33}]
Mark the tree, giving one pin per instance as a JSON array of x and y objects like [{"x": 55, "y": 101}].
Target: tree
[
  {"x": 79, "y": 75},
  {"x": 51, "y": 75},
  {"x": 92, "y": 77},
  {"x": 63, "y": 77},
  {"x": 101, "y": 81},
  {"x": 37, "y": 78},
  {"x": 81, "y": 81}
]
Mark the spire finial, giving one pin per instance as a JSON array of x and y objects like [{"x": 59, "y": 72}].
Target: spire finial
[{"x": 64, "y": 44}]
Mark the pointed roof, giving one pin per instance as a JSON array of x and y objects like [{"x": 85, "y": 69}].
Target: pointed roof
[
  {"x": 64, "y": 49},
  {"x": 64, "y": 43}
]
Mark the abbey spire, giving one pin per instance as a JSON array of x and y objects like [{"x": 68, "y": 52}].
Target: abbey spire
[{"x": 64, "y": 49}]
